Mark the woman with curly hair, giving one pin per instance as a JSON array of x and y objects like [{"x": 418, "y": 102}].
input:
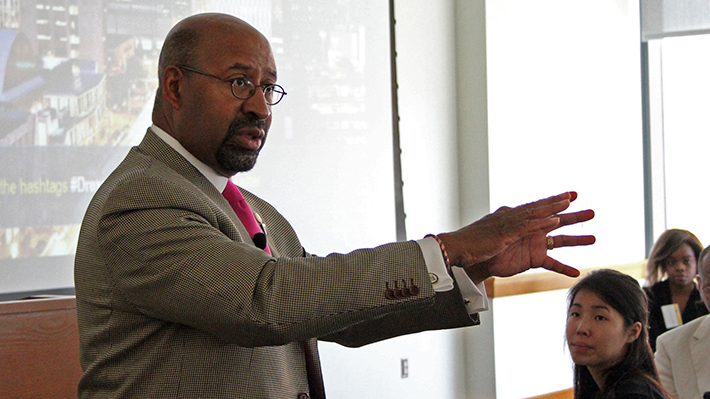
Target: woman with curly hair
[{"x": 670, "y": 279}]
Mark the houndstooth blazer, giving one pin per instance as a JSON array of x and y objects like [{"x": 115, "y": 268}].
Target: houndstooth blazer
[{"x": 173, "y": 302}]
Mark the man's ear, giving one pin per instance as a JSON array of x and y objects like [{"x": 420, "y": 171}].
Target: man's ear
[
  {"x": 170, "y": 85},
  {"x": 634, "y": 332}
]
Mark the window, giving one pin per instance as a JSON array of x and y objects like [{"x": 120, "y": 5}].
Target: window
[{"x": 685, "y": 134}]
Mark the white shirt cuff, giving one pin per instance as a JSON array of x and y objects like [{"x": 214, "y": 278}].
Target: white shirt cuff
[
  {"x": 439, "y": 277},
  {"x": 474, "y": 296}
]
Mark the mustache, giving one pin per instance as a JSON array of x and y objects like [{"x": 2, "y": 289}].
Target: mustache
[{"x": 240, "y": 123}]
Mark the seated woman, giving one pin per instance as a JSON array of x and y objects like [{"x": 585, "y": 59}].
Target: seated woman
[
  {"x": 670, "y": 273},
  {"x": 607, "y": 339}
]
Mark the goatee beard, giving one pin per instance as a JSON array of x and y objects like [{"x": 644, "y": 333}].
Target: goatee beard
[{"x": 233, "y": 158}]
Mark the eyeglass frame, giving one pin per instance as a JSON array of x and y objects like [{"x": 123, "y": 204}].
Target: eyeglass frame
[{"x": 279, "y": 88}]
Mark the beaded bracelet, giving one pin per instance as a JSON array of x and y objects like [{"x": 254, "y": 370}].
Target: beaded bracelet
[{"x": 443, "y": 250}]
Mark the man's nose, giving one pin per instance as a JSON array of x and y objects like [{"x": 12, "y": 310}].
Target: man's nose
[{"x": 257, "y": 105}]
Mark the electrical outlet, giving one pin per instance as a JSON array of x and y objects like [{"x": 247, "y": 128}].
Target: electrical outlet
[{"x": 405, "y": 368}]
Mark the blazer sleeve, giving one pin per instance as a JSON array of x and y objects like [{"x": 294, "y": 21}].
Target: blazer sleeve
[
  {"x": 664, "y": 366},
  {"x": 447, "y": 311},
  {"x": 173, "y": 255}
]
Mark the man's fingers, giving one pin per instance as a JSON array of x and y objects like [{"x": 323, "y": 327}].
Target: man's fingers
[
  {"x": 567, "y": 219},
  {"x": 547, "y": 207},
  {"x": 543, "y": 209},
  {"x": 572, "y": 241},
  {"x": 559, "y": 267},
  {"x": 527, "y": 220},
  {"x": 568, "y": 196}
]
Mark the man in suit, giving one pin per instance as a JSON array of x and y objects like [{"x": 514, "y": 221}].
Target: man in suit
[
  {"x": 179, "y": 296},
  {"x": 683, "y": 353}
]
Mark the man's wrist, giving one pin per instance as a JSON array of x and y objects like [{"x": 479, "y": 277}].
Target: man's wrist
[
  {"x": 449, "y": 242},
  {"x": 444, "y": 252},
  {"x": 477, "y": 273}
]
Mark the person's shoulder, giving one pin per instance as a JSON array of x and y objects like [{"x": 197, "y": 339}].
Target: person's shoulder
[
  {"x": 682, "y": 333},
  {"x": 636, "y": 387},
  {"x": 696, "y": 304},
  {"x": 143, "y": 181},
  {"x": 695, "y": 323},
  {"x": 258, "y": 202},
  {"x": 261, "y": 206},
  {"x": 699, "y": 325},
  {"x": 138, "y": 169}
]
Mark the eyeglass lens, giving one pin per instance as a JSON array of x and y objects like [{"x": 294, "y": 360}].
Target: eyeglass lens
[{"x": 244, "y": 89}]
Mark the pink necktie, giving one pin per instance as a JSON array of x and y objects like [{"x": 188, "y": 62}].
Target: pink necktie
[{"x": 235, "y": 198}]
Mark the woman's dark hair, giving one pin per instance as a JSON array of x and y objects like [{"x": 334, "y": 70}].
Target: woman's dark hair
[
  {"x": 623, "y": 293},
  {"x": 664, "y": 246}
]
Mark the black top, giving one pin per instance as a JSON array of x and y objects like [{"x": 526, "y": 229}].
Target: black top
[
  {"x": 635, "y": 387},
  {"x": 660, "y": 295},
  {"x": 630, "y": 385}
]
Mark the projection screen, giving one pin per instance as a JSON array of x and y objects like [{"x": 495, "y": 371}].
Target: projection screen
[{"x": 77, "y": 83}]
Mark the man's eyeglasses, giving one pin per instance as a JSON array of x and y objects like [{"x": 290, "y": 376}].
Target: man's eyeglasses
[{"x": 243, "y": 88}]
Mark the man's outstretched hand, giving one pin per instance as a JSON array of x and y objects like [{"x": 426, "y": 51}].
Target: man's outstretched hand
[{"x": 512, "y": 240}]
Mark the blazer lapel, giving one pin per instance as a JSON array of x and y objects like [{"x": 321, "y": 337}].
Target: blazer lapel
[
  {"x": 157, "y": 148},
  {"x": 262, "y": 224},
  {"x": 700, "y": 351},
  {"x": 253, "y": 202}
]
